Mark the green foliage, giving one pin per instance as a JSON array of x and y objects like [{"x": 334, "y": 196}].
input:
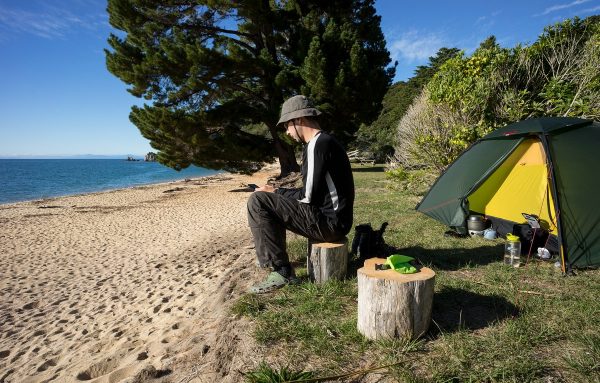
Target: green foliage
[
  {"x": 250, "y": 305},
  {"x": 266, "y": 374},
  {"x": 399, "y": 174},
  {"x": 425, "y": 136},
  {"x": 557, "y": 96},
  {"x": 568, "y": 54},
  {"x": 424, "y": 73},
  {"x": 470, "y": 96},
  {"x": 468, "y": 85},
  {"x": 380, "y": 136},
  {"x": 419, "y": 180},
  {"x": 209, "y": 69}
]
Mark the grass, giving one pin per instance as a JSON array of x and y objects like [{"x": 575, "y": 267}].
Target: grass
[
  {"x": 266, "y": 374},
  {"x": 490, "y": 323}
]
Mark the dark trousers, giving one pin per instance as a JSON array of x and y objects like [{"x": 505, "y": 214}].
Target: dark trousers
[{"x": 270, "y": 214}]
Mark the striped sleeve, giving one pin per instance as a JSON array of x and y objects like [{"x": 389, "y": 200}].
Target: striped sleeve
[{"x": 314, "y": 171}]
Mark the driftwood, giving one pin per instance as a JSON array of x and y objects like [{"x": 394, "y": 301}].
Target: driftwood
[
  {"x": 357, "y": 156},
  {"x": 393, "y": 305},
  {"x": 327, "y": 261}
]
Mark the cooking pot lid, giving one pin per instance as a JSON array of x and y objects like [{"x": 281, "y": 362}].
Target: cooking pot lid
[{"x": 476, "y": 218}]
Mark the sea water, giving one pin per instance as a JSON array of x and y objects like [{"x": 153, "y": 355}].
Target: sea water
[{"x": 31, "y": 179}]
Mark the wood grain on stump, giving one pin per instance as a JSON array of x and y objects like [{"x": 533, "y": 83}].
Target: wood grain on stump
[
  {"x": 327, "y": 260},
  {"x": 391, "y": 304}
]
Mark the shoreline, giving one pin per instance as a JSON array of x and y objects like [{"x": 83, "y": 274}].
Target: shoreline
[
  {"x": 129, "y": 284},
  {"x": 113, "y": 189}
]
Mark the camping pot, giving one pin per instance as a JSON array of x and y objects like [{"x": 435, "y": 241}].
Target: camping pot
[{"x": 476, "y": 223}]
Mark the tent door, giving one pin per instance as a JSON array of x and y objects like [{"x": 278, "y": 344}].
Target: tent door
[{"x": 519, "y": 185}]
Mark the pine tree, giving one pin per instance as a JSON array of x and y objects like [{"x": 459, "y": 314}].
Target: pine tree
[{"x": 214, "y": 70}]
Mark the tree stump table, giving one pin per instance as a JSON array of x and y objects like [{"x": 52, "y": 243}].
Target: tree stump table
[
  {"x": 327, "y": 260},
  {"x": 393, "y": 305}
]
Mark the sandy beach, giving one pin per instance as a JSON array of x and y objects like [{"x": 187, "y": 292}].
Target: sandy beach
[{"x": 128, "y": 285}]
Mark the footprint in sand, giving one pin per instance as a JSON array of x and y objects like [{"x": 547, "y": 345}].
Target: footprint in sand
[
  {"x": 56, "y": 303},
  {"x": 98, "y": 369},
  {"x": 117, "y": 332},
  {"x": 47, "y": 364},
  {"x": 4, "y": 354},
  {"x": 142, "y": 356},
  {"x": 31, "y": 305},
  {"x": 18, "y": 355}
]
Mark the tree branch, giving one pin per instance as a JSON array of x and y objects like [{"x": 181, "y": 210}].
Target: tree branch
[{"x": 216, "y": 30}]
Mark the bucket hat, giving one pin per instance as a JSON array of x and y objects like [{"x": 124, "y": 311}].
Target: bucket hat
[{"x": 296, "y": 107}]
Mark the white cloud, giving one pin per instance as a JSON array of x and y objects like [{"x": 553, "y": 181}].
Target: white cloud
[
  {"x": 487, "y": 21},
  {"x": 481, "y": 20},
  {"x": 50, "y": 22},
  {"x": 558, "y": 7},
  {"x": 42, "y": 25},
  {"x": 590, "y": 10},
  {"x": 414, "y": 46}
]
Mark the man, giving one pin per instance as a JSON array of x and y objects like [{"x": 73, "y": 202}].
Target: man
[{"x": 321, "y": 210}]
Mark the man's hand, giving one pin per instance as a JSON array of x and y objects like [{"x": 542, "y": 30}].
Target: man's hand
[{"x": 266, "y": 188}]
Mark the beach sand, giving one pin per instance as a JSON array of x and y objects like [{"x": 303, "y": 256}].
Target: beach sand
[{"x": 128, "y": 285}]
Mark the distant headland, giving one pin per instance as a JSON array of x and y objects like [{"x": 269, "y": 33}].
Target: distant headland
[{"x": 149, "y": 157}]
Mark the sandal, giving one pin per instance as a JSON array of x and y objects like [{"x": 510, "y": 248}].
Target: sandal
[{"x": 273, "y": 282}]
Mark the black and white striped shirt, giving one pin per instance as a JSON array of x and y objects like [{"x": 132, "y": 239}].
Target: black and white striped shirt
[{"x": 327, "y": 180}]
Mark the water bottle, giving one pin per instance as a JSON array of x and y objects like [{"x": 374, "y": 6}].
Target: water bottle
[{"x": 512, "y": 251}]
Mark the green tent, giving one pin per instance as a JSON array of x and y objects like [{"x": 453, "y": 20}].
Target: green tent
[{"x": 546, "y": 167}]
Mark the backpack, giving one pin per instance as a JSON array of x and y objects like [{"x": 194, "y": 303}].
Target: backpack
[
  {"x": 533, "y": 235},
  {"x": 367, "y": 242}
]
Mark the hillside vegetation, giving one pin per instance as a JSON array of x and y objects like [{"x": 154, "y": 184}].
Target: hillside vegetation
[{"x": 457, "y": 98}]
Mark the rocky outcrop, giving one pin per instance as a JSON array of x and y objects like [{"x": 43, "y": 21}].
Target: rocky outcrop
[{"x": 150, "y": 157}]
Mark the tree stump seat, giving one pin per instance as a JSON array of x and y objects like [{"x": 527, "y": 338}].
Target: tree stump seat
[
  {"x": 327, "y": 260},
  {"x": 391, "y": 304}
]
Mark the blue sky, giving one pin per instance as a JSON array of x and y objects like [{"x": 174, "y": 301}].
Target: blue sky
[{"x": 57, "y": 98}]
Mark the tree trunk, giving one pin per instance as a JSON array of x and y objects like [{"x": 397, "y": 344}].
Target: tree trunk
[
  {"x": 327, "y": 261},
  {"x": 393, "y": 305},
  {"x": 285, "y": 152}
]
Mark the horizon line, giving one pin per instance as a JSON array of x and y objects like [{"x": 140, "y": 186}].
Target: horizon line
[{"x": 45, "y": 156}]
